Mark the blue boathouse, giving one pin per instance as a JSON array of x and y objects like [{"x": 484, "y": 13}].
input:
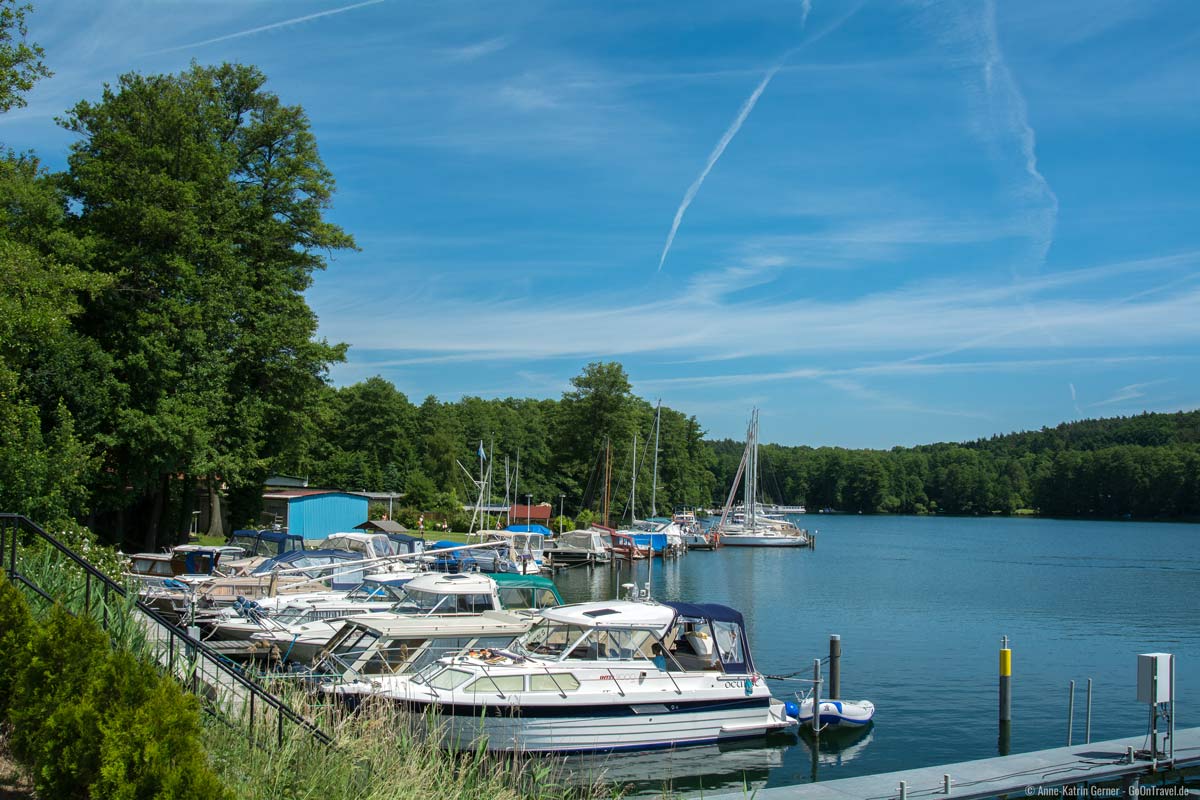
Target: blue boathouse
[{"x": 316, "y": 513}]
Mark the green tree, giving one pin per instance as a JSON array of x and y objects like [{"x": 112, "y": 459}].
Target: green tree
[
  {"x": 203, "y": 196},
  {"x": 600, "y": 408},
  {"x": 20, "y": 60}
]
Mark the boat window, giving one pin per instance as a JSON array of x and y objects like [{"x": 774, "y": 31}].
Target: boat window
[
  {"x": 516, "y": 597},
  {"x": 415, "y": 601},
  {"x": 473, "y": 603},
  {"x": 555, "y": 682},
  {"x": 618, "y": 644},
  {"x": 438, "y": 648},
  {"x": 389, "y": 658},
  {"x": 550, "y": 639},
  {"x": 491, "y": 642},
  {"x": 449, "y": 678},
  {"x": 496, "y": 684},
  {"x": 290, "y": 615},
  {"x": 372, "y": 592},
  {"x": 356, "y": 642},
  {"x": 729, "y": 643}
]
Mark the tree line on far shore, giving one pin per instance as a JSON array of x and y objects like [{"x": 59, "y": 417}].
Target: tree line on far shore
[
  {"x": 155, "y": 340},
  {"x": 1145, "y": 466}
]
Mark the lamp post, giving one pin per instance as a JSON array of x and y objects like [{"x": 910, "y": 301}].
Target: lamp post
[
  {"x": 528, "y": 510},
  {"x": 561, "y": 499}
]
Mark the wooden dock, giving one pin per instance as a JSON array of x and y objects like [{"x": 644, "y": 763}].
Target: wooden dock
[{"x": 1018, "y": 775}]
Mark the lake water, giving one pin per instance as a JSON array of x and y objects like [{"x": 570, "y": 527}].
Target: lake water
[{"x": 921, "y": 604}]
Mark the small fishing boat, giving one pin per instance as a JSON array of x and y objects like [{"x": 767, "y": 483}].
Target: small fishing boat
[
  {"x": 579, "y": 547},
  {"x": 839, "y": 713}
]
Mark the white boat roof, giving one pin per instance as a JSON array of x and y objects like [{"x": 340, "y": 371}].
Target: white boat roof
[
  {"x": 510, "y": 534},
  {"x": 612, "y": 614},
  {"x": 389, "y": 624},
  {"x": 461, "y": 583}
]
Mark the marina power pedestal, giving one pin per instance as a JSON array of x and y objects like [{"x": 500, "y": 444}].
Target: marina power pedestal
[{"x": 1156, "y": 688}]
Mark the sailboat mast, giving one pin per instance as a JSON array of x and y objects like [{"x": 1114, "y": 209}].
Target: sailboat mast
[
  {"x": 607, "y": 476},
  {"x": 654, "y": 483},
  {"x": 753, "y": 496},
  {"x": 633, "y": 488}
]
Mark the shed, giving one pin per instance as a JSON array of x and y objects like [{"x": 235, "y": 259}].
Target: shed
[
  {"x": 529, "y": 514},
  {"x": 316, "y": 513}
]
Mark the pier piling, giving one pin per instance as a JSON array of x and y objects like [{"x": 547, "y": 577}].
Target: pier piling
[
  {"x": 1071, "y": 713},
  {"x": 1087, "y": 734},
  {"x": 835, "y": 667},
  {"x": 1005, "y": 737}
]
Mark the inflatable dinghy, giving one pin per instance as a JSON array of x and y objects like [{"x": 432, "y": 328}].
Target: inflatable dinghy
[{"x": 842, "y": 713}]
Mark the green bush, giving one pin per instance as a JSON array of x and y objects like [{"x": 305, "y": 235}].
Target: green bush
[
  {"x": 53, "y": 731},
  {"x": 93, "y": 722},
  {"x": 149, "y": 737},
  {"x": 14, "y": 639}
]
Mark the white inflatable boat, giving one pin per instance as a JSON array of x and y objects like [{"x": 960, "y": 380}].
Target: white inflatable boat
[{"x": 842, "y": 713}]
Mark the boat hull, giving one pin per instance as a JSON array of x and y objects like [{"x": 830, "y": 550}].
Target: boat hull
[
  {"x": 753, "y": 540},
  {"x": 566, "y": 729}
]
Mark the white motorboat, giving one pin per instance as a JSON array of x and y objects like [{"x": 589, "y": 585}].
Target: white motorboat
[
  {"x": 255, "y": 617},
  {"x": 372, "y": 652},
  {"x": 624, "y": 674},
  {"x": 431, "y": 595}
]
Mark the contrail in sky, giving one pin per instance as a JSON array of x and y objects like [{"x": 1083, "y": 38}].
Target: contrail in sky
[
  {"x": 747, "y": 107},
  {"x": 272, "y": 26}
]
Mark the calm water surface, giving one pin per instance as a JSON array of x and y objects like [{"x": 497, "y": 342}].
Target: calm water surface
[{"x": 921, "y": 604}]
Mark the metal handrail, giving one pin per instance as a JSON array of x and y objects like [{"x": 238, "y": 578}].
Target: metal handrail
[{"x": 19, "y": 522}]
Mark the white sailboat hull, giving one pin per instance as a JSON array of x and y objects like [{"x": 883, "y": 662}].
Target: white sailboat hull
[{"x": 762, "y": 540}]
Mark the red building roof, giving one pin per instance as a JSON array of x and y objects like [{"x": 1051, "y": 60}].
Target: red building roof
[{"x": 539, "y": 513}]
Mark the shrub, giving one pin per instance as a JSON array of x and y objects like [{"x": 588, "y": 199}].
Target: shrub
[
  {"x": 53, "y": 731},
  {"x": 14, "y": 639},
  {"x": 149, "y": 737}
]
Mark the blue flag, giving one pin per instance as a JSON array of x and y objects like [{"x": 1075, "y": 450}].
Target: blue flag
[{"x": 480, "y": 452}]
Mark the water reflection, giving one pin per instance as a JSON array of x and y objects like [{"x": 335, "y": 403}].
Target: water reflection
[{"x": 683, "y": 771}]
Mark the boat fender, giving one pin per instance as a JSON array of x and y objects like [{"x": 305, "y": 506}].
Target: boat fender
[
  {"x": 749, "y": 686},
  {"x": 791, "y": 709}
]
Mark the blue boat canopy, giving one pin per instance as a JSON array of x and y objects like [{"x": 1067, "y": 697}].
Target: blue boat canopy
[
  {"x": 406, "y": 543},
  {"x": 542, "y": 529},
  {"x": 713, "y": 611},
  {"x": 728, "y": 633}
]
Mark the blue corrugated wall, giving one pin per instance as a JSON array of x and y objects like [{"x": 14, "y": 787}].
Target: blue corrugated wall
[{"x": 317, "y": 516}]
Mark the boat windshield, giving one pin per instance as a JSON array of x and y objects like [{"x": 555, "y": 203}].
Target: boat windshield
[
  {"x": 549, "y": 639},
  {"x": 373, "y": 592},
  {"x": 614, "y": 644},
  {"x": 356, "y": 642},
  {"x": 415, "y": 601},
  {"x": 290, "y": 615}
]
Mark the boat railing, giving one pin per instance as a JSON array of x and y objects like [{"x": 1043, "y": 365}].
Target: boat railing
[{"x": 224, "y": 689}]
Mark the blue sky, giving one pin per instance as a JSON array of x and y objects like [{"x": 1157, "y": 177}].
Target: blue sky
[{"x": 918, "y": 221}]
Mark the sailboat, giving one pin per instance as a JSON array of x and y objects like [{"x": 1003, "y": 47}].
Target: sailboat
[
  {"x": 751, "y": 527},
  {"x": 662, "y": 536}
]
